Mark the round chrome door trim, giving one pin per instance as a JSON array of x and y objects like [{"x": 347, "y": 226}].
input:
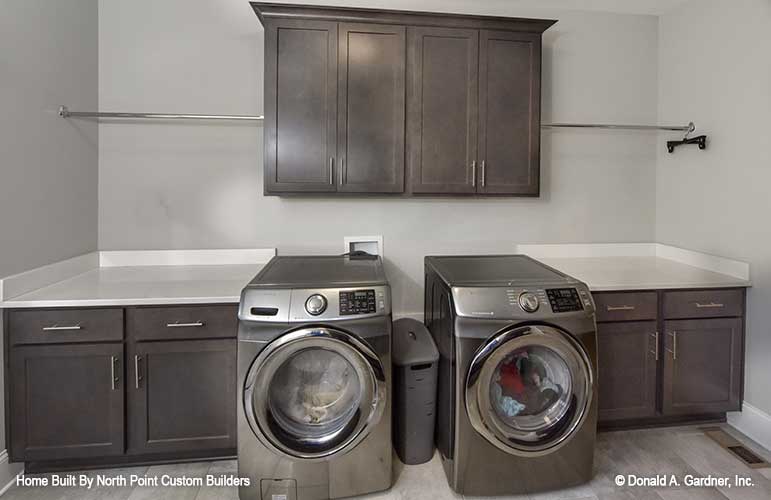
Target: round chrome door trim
[
  {"x": 478, "y": 406},
  {"x": 370, "y": 374}
]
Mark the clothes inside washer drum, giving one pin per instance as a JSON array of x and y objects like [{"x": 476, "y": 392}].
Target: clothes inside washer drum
[
  {"x": 531, "y": 382},
  {"x": 314, "y": 393}
]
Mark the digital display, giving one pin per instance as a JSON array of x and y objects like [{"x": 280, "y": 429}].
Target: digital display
[
  {"x": 357, "y": 302},
  {"x": 564, "y": 300}
]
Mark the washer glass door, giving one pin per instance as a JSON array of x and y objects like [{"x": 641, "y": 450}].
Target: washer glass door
[
  {"x": 314, "y": 392},
  {"x": 528, "y": 389}
]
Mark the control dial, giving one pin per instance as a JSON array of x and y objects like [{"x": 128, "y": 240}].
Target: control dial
[
  {"x": 528, "y": 302},
  {"x": 316, "y": 304}
]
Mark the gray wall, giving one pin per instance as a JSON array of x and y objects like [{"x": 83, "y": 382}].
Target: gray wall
[
  {"x": 717, "y": 200},
  {"x": 48, "y": 174},
  {"x": 48, "y": 185},
  {"x": 164, "y": 185}
]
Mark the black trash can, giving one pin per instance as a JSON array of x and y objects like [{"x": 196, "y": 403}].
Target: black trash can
[{"x": 415, "y": 362}]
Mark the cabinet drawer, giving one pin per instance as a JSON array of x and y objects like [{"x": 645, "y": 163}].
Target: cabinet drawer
[
  {"x": 56, "y": 326},
  {"x": 704, "y": 303},
  {"x": 626, "y": 306},
  {"x": 188, "y": 322}
]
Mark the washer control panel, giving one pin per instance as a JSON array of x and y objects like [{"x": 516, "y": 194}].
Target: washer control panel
[
  {"x": 357, "y": 302},
  {"x": 564, "y": 300}
]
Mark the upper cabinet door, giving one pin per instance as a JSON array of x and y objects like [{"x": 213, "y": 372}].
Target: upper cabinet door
[
  {"x": 371, "y": 108},
  {"x": 509, "y": 112},
  {"x": 442, "y": 75},
  {"x": 300, "y": 105}
]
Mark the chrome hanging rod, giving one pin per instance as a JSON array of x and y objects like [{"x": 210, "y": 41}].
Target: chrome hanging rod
[
  {"x": 685, "y": 128},
  {"x": 64, "y": 112}
]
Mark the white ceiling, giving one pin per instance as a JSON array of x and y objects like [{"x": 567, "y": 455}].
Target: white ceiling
[
  {"x": 651, "y": 7},
  {"x": 497, "y": 7}
]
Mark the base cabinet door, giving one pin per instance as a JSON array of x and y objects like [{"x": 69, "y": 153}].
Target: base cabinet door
[
  {"x": 182, "y": 396},
  {"x": 702, "y": 366},
  {"x": 627, "y": 359},
  {"x": 67, "y": 401}
]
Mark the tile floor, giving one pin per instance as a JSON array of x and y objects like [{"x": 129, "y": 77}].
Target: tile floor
[{"x": 678, "y": 450}]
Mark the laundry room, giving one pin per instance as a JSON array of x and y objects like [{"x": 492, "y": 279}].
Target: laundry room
[{"x": 271, "y": 251}]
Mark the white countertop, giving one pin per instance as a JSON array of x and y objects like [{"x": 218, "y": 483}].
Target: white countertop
[
  {"x": 143, "y": 285},
  {"x": 608, "y": 273}
]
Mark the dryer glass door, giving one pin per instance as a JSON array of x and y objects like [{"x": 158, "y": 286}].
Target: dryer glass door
[
  {"x": 314, "y": 392},
  {"x": 528, "y": 389}
]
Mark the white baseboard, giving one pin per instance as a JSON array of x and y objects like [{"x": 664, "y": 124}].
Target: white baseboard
[
  {"x": 753, "y": 423},
  {"x": 8, "y": 472}
]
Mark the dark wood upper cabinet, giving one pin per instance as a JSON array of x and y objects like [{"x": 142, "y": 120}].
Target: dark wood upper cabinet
[
  {"x": 442, "y": 108},
  {"x": 182, "y": 396},
  {"x": 509, "y": 112},
  {"x": 703, "y": 366},
  {"x": 300, "y": 124},
  {"x": 66, "y": 401},
  {"x": 371, "y": 88},
  {"x": 627, "y": 359},
  {"x": 463, "y": 92}
]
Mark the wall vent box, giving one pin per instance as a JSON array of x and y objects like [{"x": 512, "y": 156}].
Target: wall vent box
[{"x": 370, "y": 244}]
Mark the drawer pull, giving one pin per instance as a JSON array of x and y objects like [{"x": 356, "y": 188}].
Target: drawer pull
[
  {"x": 184, "y": 325},
  {"x": 656, "y": 340},
  {"x": 674, "y": 345},
  {"x": 711, "y": 305},
  {"x": 137, "y": 376},
  {"x": 57, "y": 328},
  {"x": 113, "y": 377},
  {"x": 620, "y": 308}
]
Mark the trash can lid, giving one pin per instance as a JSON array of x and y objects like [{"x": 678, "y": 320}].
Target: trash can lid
[{"x": 412, "y": 343}]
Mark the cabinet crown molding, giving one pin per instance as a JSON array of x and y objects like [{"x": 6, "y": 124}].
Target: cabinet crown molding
[{"x": 267, "y": 10}]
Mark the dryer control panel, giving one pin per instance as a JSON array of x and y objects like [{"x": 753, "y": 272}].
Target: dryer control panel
[
  {"x": 564, "y": 300},
  {"x": 530, "y": 303}
]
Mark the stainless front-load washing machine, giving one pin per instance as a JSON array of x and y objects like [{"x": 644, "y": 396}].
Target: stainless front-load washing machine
[
  {"x": 517, "y": 402},
  {"x": 314, "y": 378}
]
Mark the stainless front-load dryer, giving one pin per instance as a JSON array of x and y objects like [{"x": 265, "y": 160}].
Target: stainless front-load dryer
[
  {"x": 517, "y": 384},
  {"x": 314, "y": 378}
]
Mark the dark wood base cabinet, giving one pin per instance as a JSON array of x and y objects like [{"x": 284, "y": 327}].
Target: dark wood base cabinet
[
  {"x": 669, "y": 357},
  {"x": 114, "y": 386}
]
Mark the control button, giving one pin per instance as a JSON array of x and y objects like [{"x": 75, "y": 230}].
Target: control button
[
  {"x": 528, "y": 302},
  {"x": 316, "y": 304}
]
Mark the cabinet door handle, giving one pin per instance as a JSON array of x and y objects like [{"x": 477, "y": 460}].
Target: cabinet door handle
[
  {"x": 620, "y": 308},
  {"x": 656, "y": 340},
  {"x": 474, "y": 173},
  {"x": 711, "y": 305},
  {"x": 332, "y": 170},
  {"x": 113, "y": 376},
  {"x": 185, "y": 325},
  {"x": 57, "y": 328},
  {"x": 342, "y": 171},
  {"x": 137, "y": 376},
  {"x": 482, "y": 177},
  {"x": 674, "y": 345}
]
